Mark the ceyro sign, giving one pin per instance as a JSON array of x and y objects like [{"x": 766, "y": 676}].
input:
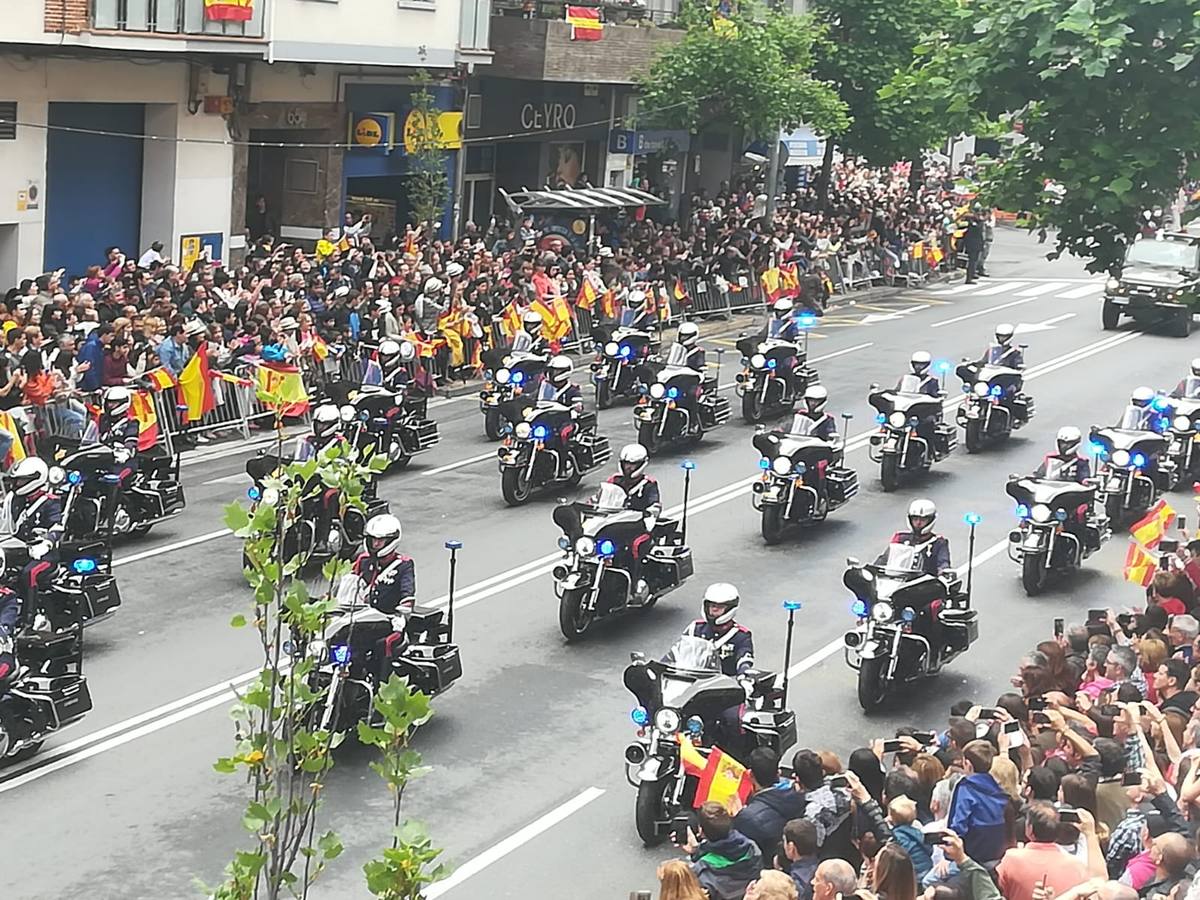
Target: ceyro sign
[{"x": 548, "y": 116}]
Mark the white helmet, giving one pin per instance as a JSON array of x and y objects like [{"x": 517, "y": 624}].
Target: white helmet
[
  {"x": 636, "y": 300},
  {"x": 116, "y": 401},
  {"x": 326, "y": 420},
  {"x": 382, "y": 535},
  {"x": 433, "y": 286},
  {"x": 1196, "y": 366},
  {"x": 559, "y": 370},
  {"x": 1004, "y": 333},
  {"x": 689, "y": 333},
  {"x": 532, "y": 323},
  {"x": 724, "y": 595},
  {"x": 634, "y": 460},
  {"x": 1068, "y": 439},
  {"x": 29, "y": 475},
  {"x": 1142, "y": 396},
  {"x": 782, "y": 308},
  {"x": 453, "y": 270},
  {"x": 392, "y": 353},
  {"x": 921, "y": 516},
  {"x": 920, "y": 362},
  {"x": 815, "y": 398}
]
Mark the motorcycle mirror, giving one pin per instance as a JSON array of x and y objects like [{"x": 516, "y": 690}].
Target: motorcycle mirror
[
  {"x": 853, "y": 562},
  {"x": 941, "y": 394},
  {"x": 637, "y": 656},
  {"x": 760, "y": 429},
  {"x": 874, "y": 386}
]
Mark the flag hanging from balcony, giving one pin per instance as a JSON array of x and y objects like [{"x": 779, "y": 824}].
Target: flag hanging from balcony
[
  {"x": 228, "y": 10},
  {"x": 585, "y": 23}
]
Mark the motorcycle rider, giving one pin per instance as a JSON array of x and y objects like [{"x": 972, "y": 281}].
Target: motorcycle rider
[
  {"x": 686, "y": 353},
  {"x": 921, "y": 381},
  {"x": 935, "y": 549},
  {"x": 783, "y": 325},
  {"x": 320, "y": 505},
  {"x": 115, "y": 428},
  {"x": 1189, "y": 387},
  {"x": 393, "y": 355},
  {"x": 389, "y": 576},
  {"x": 529, "y": 339},
  {"x": 1003, "y": 352},
  {"x": 810, "y": 420},
  {"x": 636, "y": 316},
  {"x": 1139, "y": 415},
  {"x": 641, "y": 495},
  {"x": 1068, "y": 464},
  {"x": 734, "y": 643},
  {"x": 557, "y": 387},
  {"x": 34, "y": 515}
]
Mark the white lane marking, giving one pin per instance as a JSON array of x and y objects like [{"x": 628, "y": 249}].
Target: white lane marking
[
  {"x": 1084, "y": 291},
  {"x": 1038, "y": 289},
  {"x": 170, "y": 548},
  {"x": 1046, "y": 325},
  {"x": 235, "y": 478},
  {"x": 515, "y": 841},
  {"x": 854, "y": 349},
  {"x": 1002, "y": 288},
  {"x": 179, "y": 710},
  {"x": 425, "y": 473},
  {"x": 980, "y": 312}
]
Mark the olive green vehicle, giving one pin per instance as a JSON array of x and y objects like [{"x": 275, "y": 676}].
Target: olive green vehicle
[{"x": 1159, "y": 284}]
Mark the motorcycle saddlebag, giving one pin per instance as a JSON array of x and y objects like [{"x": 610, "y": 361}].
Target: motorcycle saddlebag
[
  {"x": 168, "y": 497},
  {"x": 594, "y": 450},
  {"x": 946, "y": 436},
  {"x": 68, "y": 696},
  {"x": 672, "y": 562},
  {"x": 962, "y": 627},
  {"x": 95, "y": 596},
  {"x": 772, "y": 728},
  {"x": 425, "y": 434},
  {"x": 434, "y": 667},
  {"x": 842, "y": 484},
  {"x": 717, "y": 411},
  {"x": 1022, "y": 406},
  {"x": 425, "y": 624}
]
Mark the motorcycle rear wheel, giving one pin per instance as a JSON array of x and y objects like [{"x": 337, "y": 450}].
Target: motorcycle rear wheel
[
  {"x": 889, "y": 473},
  {"x": 648, "y": 437},
  {"x": 574, "y": 618},
  {"x": 974, "y": 437},
  {"x": 491, "y": 424},
  {"x": 649, "y": 810},
  {"x": 871, "y": 687},
  {"x": 1033, "y": 574},
  {"x": 515, "y": 486},
  {"x": 772, "y": 524},
  {"x": 401, "y": 458},
  {"x": 23, "y": 754}
]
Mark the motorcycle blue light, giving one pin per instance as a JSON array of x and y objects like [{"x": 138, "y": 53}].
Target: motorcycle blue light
[
  {"x": 859, "y": 608},
  {"x": 944, "y": 366},
  {"x": 807, "y": 320},
  {"x": 1022, "y": 511},
  {"x": 966, "y": 389},
  {"x": 695, "y": 725},
  {"x": 84, "y": 565},
  {"x": 996, "y": 390},
  {"x": 791, "y": 605},
  {"x": 764, "y": 463},
  {"x": 74, "y": 477},
  {"x": 626, "y": 350},
  {"x": 517, "y": 377},
  {"x": 771, "y": 363},
  {"x": 1139, "y": 460},
  {"x": 1163, "y": 423},
  {"x": 880, "y": 418},
  {"x": 541, "y": 432},
  {"x": 972, "y": 519},
  {"x": 1097, "y": 449},
  {"x": 254, "y": 493},
  {"x": 908, "y": 614},
  {"x": 340, "y": 653},
  {"x": 606, "y": 547},
  {"x": 687, "y": 464},
  {"x": 1061, "y": 515},
  {"x": 1160, "y": 403},
  {"x": 673, "y": 393},
  {"x": 640, "y": 716}
]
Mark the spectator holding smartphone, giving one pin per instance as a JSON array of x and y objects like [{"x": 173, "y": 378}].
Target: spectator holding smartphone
[
  {"x": 723, "y": 859},
  {"x": 1041, "y": 861}
]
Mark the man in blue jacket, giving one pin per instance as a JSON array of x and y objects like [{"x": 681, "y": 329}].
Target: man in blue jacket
[
  {"x": 978, "y": 805},
  {"x": 773, "y": 804},
  {"x": 724, "y": 860},
  {"x": 92, "y": 353}
]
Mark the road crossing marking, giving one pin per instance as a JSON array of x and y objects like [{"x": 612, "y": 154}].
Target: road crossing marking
[
  {"x": 1084, "y": 291},
  {"x": 1048, "y": 288},
  {"x": 1002, "y": 288}
]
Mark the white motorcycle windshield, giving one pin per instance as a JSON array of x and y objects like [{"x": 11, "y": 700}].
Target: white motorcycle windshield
[
  {"x": 677, "y": 356},
  {"x": 351, "y": 591},
  {"x": 611, "y": 497},
  {"x": 802, "y": 426},
  {"x": 694, "y": 653},
  {"x": 902, "y": 558},
  {"x": 1056, "y": 469},
  {"x": 910, "y": 384},
  {"x": 1134, "y": 419},
  {"x": 1191, "y": 387}
]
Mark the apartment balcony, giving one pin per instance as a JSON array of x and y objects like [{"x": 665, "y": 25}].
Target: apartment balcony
[
  {"x": 532, "y": 41},
  {"x": 182, "y": 18}
]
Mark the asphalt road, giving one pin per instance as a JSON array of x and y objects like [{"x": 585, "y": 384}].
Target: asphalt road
[{"x": 527, "y": 792}]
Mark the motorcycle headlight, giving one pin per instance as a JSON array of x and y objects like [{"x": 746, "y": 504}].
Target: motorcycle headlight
[
  {"x": 522, "y": 430},
  {"x": 585, "y": 546},
  {"x": 317, "y": 650},
  {"x": 781, "y": 465},
  {"x": 611, "y": 348},
  {"x": 667, "y": 720},
  {"x": 502, "y": 376},
  {"x": 1040, "y": 513},
  {"x": 1182, "y": 423},
  {"x": 980, "y": 389},
  {"x": 897, "y": 420},
  {"x": 758, "y": 361},
  {"x": 57, "y": 475},
  {"x": 1112, "y": 284},
  {"x": 658, "y": 391},
  {"x": 1120, "y": 457},
  {"x": 882, "y": 612}
]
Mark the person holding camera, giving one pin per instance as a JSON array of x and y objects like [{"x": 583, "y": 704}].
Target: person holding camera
[
  {"x": 723, "y": 859},
  {"x": 1041, "y": 861}
]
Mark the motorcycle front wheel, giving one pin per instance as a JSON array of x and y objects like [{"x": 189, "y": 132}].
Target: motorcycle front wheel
[
  {"x": 604, "y": 396},
  {"x": 515, "y": 486},
  {"x": 974, "y": 436},
  {"x": 772, "y": 523},
  {"x": 889, "y": 472},
  {"x": 491, "y": 424},
  {"x": 574, "y": 618},
  {"x": 752, "y": 407},
  {"x": 1033, "y": 574},
  {"x": 650, "y": 809},
  {"x": 871, "y": 685}
]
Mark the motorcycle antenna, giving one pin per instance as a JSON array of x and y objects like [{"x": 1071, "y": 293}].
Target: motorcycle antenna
[
  {"x": 687, "y": 465},
  {"x": 791, "y": 606},
  {"x": 720, "y": 353},
  {"x": 807, "y": 321},
  {"x": 943, "y": 367},
  {"x": 846, "y": 417},
  {"x": 972, "y": 520},
  {"x": 453, "y": 546}
]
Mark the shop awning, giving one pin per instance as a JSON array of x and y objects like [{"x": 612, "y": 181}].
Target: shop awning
[{"x": 570, "y": 199}]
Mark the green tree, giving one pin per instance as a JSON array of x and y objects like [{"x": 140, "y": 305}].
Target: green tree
[
  {"x": 863, "y": 46},
  {"x": 1103, "y": 93},
  {"x": 755, "y": 73},
  {"x": 428, "y": 184}
]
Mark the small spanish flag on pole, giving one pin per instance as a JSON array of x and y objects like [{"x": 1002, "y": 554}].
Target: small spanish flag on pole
[
  {"x": 1151, "y": 528},
  {"x": 160, "y": 379},
  {"x": 585, "y": 23},
  {"x": 681, "y": 294},
  {"x": 1140, "y": 566},
  {"x": 586, "y": 298}
]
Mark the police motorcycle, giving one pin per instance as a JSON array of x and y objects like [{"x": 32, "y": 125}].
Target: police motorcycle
[
  {"x": 1184, "y": 414},
  {"x": 594, "y": 581},
  {"x": 662, "y": 417},
  {"x": 900, "y": 445},
  {"x": 551, "y": 444},
  {"x": 628, "y": 346},
  {"x": 994, "y": 405},
  {"x": 764, "y": 390},
  {"x": 910, "y": 623},
  {"x": 1133, "y": 465},
  {"x": 360, "y": 648},
  {"x": 42, "y": 689},
  {"x": 519, "y": 373},
  {"x": 386, "y": 420},
  {"x": 681, "y": 699},
  {"x": 1044, "y": 544},
  {"x": 789, "y": 490}
]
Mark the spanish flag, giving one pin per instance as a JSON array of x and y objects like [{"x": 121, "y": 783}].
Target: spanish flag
[
  {"x": 320, "y": 349},
  {"x": 281, "y": 387},
  {"x": 772, "y": 284},
  {"x": 608, "y": 304},
  {"x": 918, "y": 250},
  {"x": 228, "y": 10},
  {"x": 1149, "y": 530},
  {"x": 680, "y": 292},
  {"x": 16, "y": 453},
  {"x": 1140, "y": 566},
  {"x": 723, "y": 779},
  {"x": 789, "y": 280},
  {"x": 160, "y": 379},
  {"x": 141, "y": 410},
  {"x": 690, "y": 758},
  {"x": 195, "y": 386},
  {"x": 587, "y": 295},
  {"x": 510, "y": 320},
  {"x": 585, "y": 23},
  {"x": 556, "y": 317}
]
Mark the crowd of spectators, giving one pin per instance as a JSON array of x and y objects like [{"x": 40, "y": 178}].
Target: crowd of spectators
[
  {"x": 1080, "y": 781},
  {"x": 318, "y": 306}
]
